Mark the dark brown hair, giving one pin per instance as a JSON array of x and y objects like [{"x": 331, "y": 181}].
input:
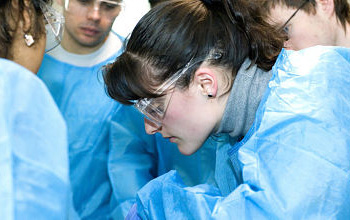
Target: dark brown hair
[
  {"x": 175, "y": 32},
  {"x": 10, "y": 14}
]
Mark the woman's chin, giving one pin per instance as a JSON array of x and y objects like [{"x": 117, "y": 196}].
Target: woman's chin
[{"x": 186, "y": 150}]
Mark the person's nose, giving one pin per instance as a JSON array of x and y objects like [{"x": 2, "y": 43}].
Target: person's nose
[
  {"x": 151, "y": 127},
  {"x": 94, "y": 11}
]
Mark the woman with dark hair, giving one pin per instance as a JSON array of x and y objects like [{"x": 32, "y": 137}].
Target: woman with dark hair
[
  {"x": 24, "y": 24},
  {"x": 33, "y": 147},
  {"x": 172, "y": 47},
  {"x": 199, "y": 68}
]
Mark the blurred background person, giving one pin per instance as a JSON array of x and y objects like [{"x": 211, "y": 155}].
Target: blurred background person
[
  {"x": 308, "y": 23},
  {"x": 34, "y": 181},
  {"x": 71, "y": 71}
]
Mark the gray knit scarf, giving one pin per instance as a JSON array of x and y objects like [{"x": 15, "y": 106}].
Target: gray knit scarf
[{"x": 246, "y": 93}]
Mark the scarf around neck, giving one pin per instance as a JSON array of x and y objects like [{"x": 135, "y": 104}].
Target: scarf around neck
[{"x": 243, "y": 102}]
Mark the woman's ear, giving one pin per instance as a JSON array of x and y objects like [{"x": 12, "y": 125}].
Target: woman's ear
[
  {"x": 288, "y": 45},
  {"x": 206, "y": 80}
]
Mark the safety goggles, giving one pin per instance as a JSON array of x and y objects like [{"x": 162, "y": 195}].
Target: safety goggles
[
  {"x": 54, "y": 22},
  {"x": 154, "y": 109},
  {"x": 284, "y": 27},
  {"x": 108, "y": 8}
]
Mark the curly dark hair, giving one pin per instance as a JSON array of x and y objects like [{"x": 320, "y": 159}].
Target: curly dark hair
[{"x": 11, "y": 11}]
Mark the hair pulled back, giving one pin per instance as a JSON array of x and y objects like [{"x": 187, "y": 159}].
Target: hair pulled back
[{"x": 175, "y": 32}]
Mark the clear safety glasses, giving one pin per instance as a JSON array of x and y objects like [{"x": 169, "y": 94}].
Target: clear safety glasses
[
  {"x": 54, "y": 22},
  {"x": 154, "y": 109},
  {"x": 108, "y": 8}
]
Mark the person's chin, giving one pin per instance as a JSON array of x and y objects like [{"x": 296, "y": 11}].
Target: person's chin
[
  {"x": 90, "y": 41},
  {"x": 186, "y": 150}
]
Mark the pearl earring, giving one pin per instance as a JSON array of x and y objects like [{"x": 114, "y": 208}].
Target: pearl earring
[{"x": 28, "y": 38}]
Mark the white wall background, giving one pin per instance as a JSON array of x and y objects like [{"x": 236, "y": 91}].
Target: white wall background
[{"x": 128, "y": 18}]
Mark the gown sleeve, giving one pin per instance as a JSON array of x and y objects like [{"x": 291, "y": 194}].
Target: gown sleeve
[{"x": 33, "y": 148}]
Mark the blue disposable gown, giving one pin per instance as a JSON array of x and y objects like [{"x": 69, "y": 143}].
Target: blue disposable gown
[
  {"x": 295, "y": 159},
  {"x": 80, "y": 95},
  {"x": 33, "y": 148}
]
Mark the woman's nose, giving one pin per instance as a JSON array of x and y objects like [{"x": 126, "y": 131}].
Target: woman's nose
[{"x": 151, "y": 127}]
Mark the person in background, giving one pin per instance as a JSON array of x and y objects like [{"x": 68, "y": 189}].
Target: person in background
[
  {"x": 308, "y": 23},
  {"x": 110, "y": 155},
  {"x": 34, "y": 182},
  {"x": 203, "y": 67},
  {"x": 71, "y": 71}
]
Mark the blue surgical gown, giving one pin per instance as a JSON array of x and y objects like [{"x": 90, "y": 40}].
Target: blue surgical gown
[
  {"x": 80, "y": 95},
  {"x": 34, "y": 181},
  {"x": 295, "y": 159}
]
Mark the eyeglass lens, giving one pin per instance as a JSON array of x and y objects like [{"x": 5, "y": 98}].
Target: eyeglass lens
[
  {"x": 108, "y": 8},
  {"x": 53, "y": 25},
  {"x": 155, "y": 108},
  {"x": 284, "y": 26}
]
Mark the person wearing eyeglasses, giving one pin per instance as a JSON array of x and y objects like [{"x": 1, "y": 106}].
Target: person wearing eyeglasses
[
  {"x": 71, "y": 71},
  {"x": 308, "y": 23},
  {"x": 34, "y": 181},
  {"x": 203, "y": 67},
  {"x": 111, "y": 156}
]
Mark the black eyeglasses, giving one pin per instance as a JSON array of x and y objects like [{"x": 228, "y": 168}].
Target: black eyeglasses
[{"x": 290, "y": 18}]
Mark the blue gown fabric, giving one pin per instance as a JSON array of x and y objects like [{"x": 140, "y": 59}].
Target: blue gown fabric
[
  {"x": 80, "y": 95},
  {"x": 295, "y": 159},
  {"x": 34, "y": 181}
]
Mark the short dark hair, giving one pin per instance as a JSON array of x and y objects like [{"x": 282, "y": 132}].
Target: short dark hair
[
  {"x": 8, "y": 14},
  {"x": 174, "y": 32},
  {"x": 341, "y": 7},
  {"x": 155, "y": 2}
]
